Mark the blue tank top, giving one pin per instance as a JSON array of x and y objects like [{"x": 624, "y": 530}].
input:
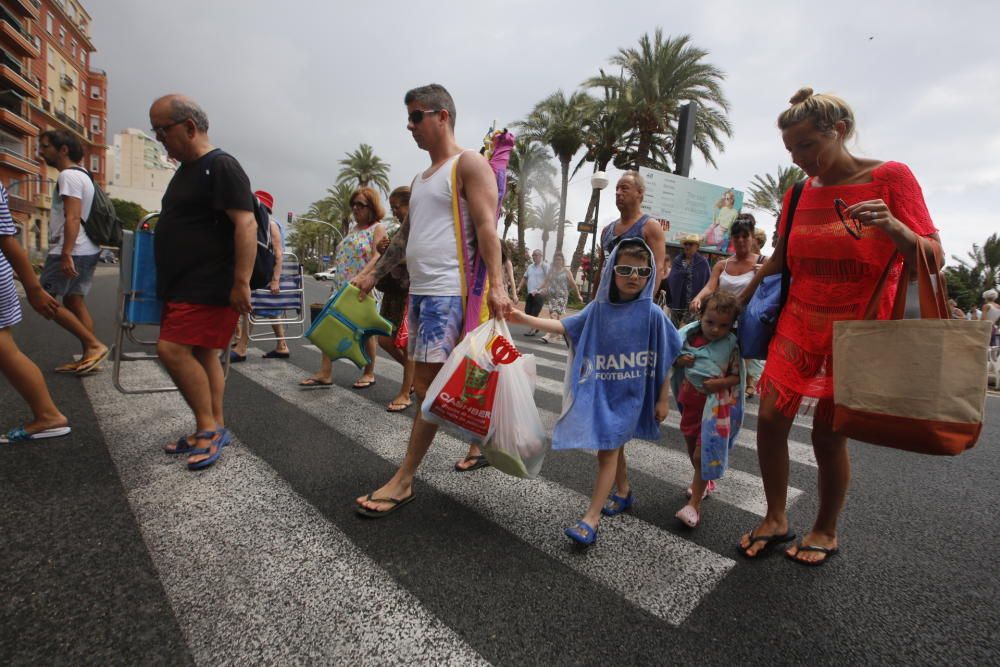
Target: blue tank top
[{"x": 609, "y": 242}]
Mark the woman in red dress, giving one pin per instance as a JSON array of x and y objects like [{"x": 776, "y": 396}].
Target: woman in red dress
[{"x": 833, "y": 277}]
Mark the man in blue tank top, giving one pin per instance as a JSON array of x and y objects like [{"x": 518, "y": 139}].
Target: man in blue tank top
[{"x": 633, "y": 223}]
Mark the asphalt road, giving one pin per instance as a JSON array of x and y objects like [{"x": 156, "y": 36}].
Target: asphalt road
[{"x": 114, "y": 553}]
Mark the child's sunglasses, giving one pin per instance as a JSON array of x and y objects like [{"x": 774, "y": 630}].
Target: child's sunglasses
[
  {"x": 624, "y": 270},
  {"x": 852, "y": 225}
]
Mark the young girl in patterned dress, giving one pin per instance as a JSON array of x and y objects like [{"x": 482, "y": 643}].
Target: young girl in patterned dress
[
  {"x": 353, "y": 253},
  {"x": 22, "y": 373}
]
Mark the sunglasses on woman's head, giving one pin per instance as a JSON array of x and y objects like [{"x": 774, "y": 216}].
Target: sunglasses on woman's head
[
  {"x": 626, "y": 270},
  {"x": 852, "y": 226}
]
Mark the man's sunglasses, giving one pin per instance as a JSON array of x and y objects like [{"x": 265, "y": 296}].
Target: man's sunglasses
[
  {"x": 418, "y": 115},
  {"x": 852, "y": 226},
  {"x": 625, "y": 271}
]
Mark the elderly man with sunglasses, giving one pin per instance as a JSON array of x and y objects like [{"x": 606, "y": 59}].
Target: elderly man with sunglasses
[
  {"x": 427, "y": 239},
  {"x": 206, "y": 241}
]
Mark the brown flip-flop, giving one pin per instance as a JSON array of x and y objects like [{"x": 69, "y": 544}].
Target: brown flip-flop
[
  {"x": 68, "y": 368},
  {"x": 87, "y": 364},
  {"x": 398, "y": 407},
  {"x": 375, "y": 514}
]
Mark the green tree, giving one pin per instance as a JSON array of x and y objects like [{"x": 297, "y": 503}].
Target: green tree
[
  {"x": 975, "y": 273},
  {"x": 657, "y": 77},
  {"x": 767, "y": 192},
  {"x": 528, "y": 171},
  {"x": 363, "y": 167},
  {"x": 128, "y": 212},
  {"x": 544, "y": 215},
  {"x": 558, "y": 121}
]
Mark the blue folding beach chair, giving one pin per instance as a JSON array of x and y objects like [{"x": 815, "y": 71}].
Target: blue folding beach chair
[
  {"x": 138, "y": 305},
  {"x": 287, "y": 307}
]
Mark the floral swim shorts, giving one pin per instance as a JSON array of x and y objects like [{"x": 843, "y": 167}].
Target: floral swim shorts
[{"x": 435, "y": 324}]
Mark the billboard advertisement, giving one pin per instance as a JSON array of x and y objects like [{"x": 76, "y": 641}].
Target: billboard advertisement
[{"x": 687, "y": 206}]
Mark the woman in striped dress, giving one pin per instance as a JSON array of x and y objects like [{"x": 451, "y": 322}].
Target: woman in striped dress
[{"x": 22, "y": 373}]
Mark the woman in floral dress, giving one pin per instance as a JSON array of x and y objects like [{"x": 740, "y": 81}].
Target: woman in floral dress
[
  {"x": 353, "y": 253},
  {"x": 556, "y": 290}
]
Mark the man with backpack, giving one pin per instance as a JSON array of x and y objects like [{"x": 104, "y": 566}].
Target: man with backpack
[
  {"x": 206, "y": 251},
  {"x": 69, "y": 268}
]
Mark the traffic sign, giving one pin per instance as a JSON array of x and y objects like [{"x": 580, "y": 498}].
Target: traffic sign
[{"x": 326, "y": 258}]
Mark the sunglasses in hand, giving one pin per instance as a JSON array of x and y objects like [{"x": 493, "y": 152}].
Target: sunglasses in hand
[{"x": 852, "y": 225}]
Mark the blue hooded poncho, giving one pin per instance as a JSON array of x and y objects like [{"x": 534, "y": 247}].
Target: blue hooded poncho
[{"x": 619, "y": 357}]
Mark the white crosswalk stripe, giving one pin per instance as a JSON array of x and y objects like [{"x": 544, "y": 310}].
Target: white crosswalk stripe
[
  {"x": 799, "y": 452},
  {"x": 281, "y": 554},
  {"x": 667, "y": 575}
]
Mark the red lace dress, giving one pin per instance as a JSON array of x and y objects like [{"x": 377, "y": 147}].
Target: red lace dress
[{"x": 833, "y": 277}]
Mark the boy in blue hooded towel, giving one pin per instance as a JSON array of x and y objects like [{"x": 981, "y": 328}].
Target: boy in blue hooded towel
[{"x": 621, "y": 348}]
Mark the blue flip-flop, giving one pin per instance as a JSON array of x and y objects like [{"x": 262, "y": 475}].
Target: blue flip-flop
[
  {"x": 218, "y": 438},
  {"x": 20, "y": 434},
  {"x": 616, "y": 504},
  {"x": 588, "y": 536}
]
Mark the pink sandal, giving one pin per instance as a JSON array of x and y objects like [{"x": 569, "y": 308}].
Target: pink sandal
[{"x": 689, "y": 516}]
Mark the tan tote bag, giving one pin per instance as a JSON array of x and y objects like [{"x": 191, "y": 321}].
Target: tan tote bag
[{"x": 917, "y": 385}]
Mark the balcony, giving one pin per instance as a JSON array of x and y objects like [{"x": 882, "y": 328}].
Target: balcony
[
  {"x": 17, "y": 39},
  {"x": 72, "y": 124},
  {"x": 29, "y": 7},
  {"x": 66, "y": 81},
  {"x": 16, "y": 122},
  {"x": 15, "y": 160},
  {"x": 17, "y": 82}
]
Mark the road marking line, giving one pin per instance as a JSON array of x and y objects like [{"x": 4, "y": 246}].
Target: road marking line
[
  {"x": 666, "y": 575},
  {"x": 798, "y": 452},
  {"x": 247, "y": 562}
]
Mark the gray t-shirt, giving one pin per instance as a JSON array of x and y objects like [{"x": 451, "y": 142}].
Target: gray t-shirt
[{"x": 536, "y": 275}]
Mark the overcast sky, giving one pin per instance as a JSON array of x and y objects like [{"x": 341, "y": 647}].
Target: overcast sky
[{"x": 290, "y": 87}]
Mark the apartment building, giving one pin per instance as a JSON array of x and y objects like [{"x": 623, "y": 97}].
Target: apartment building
[
  {"x": 46, "y": 82},
  {"x": 139, "y": 169}
]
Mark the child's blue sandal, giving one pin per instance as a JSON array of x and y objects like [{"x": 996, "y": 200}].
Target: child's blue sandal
[
  {"x": 617, "y": 504},
  {"x": 581, "y": 532}
]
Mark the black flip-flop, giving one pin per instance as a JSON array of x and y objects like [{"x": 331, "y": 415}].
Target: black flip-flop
[
  {"x": 398, "y": 407},
  {"x": 375, "y": 514},
  {"x": 480, "y": 462},
  {"x": 274, "y": 354},
  {"x": 768, "y": 540},
  {"x": 829, "y": 551}
]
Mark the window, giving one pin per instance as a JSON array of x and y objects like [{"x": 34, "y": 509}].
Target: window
[
  {"x": 72, "y": 112},
  {"x": 95, "y": 124},
  {"x": 48, "y": 23},
  {"x": 83, "y": 57},
  {"x": 62, "y": 35},
  {"x": 95, "y": 92},
  {"x": 51, "y": 55},
  {"x": 95, "y": 164},
  {"x": 62, "y": 104},
  {"x": 72, "y": 47},
  {"x": 52, "y": 93}
]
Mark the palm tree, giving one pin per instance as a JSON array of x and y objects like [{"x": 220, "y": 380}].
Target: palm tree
[
  {"x": 545, "y": 216},
  {"x": 529, "y": 170},
  {"x": 558, "y": 121},
  {"x": 657, "y": 77},
  {"x": 363, "y": 167},
  {"x": 984, "y": 262},
  {"x": 338, "y": 205},
  {"x": 767, "y": 192}
]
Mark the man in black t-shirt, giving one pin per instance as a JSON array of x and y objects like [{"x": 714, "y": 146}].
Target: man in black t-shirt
[{"x": 205, "y": 248}]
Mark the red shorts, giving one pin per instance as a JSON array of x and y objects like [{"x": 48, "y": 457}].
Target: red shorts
[
  {"x": 198, "y": 325},
  {"x": 693, "y": 402}
]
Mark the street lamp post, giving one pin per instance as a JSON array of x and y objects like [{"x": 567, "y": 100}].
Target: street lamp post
[{"x": 598, "y": 181}]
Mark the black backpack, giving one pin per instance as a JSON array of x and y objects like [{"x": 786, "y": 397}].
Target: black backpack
[
  {"x": 263, "y": 265},
  {"x": 102, "y": 226}
]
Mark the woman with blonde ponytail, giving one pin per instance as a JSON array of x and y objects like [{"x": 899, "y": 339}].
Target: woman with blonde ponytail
[{"x": 836, "y": 254}]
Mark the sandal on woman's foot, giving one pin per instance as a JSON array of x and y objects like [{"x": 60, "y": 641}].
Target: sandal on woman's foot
[
  {"x": 20, "y": 434},
  {"x": 398, "y": 407},
  {"x": 709, "y": 490},
  {"x": 616, "y": 504},
  {"x": 768, "y": 540},
  {"x": 829, "y": 552},
  {"x": 217, "y": 440},
  {"x": 68, "y": 368},
  {"x": 313, "y": 383},
  {"x": 582, "y": 533},
  {"x": 363, "y": 384},
  {"x": 394, "y": 503},
  {"x": 689, "y": 516}
]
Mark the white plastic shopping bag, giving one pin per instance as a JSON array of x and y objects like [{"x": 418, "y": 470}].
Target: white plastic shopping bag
[{"x": 519, "y": 444}]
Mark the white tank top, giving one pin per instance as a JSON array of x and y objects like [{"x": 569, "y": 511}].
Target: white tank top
[
  {"x": 431, "y": 253},
  {"x": 733, "y": 284}
]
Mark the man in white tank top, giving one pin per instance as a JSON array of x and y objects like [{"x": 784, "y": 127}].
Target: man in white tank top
[{"x": 426, "y": 238}]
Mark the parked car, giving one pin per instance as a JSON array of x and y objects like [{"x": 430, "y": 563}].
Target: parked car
[
  {"x": 329, "y": 274},
  {"x": 108, "y": 256}
]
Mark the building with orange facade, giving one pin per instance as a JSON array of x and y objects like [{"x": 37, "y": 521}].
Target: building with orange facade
[{"x": 46, "y": 83}]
